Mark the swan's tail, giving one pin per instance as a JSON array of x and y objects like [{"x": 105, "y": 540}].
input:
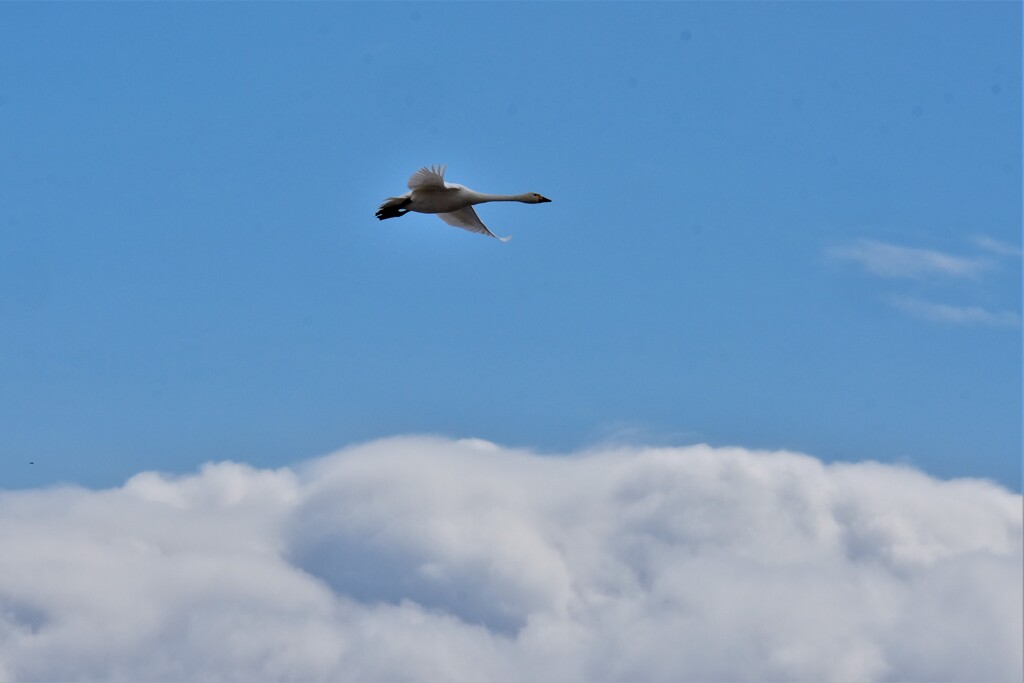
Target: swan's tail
[{"x": 393, "y": 208}]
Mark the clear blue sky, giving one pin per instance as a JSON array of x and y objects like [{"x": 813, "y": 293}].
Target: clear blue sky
[{"x": 775, "y": 225}]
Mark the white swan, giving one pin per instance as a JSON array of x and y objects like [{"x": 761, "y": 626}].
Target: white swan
[{"x": 429, "y": 193}]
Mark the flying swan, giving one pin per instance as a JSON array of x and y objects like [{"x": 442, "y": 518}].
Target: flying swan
[{"x": 429, "y": 193}]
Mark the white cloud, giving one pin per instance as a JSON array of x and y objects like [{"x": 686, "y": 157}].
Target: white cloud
[
  {"x": 430, "y": 559},
  {"x": 957, "y": 315},
  {"x": 996, "y": 247},
  {"x": 894, "y": 261}
]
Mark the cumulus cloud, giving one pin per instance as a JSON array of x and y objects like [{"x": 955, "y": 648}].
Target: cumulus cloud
[
  {"x": 956, "y": 315},
  {"x": 894, "y": 261},
  {"x": 432, "y": 559}
]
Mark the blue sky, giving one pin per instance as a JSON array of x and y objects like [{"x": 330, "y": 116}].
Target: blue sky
[{"x": 776, "y": 226}]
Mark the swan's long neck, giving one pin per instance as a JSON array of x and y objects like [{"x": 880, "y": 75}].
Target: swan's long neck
[{"x": 480, "y": 197}]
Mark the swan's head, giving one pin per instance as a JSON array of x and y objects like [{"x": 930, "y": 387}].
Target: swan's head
[{"x": 534, "y": 198}]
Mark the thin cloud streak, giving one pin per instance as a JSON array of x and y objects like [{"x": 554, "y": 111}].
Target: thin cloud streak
[
  {"x": 883, "y": 259},
  {"x": 426, "y": 559},
  {"x": 996, "y": 247},
  {"x": 956, "y": 315}
]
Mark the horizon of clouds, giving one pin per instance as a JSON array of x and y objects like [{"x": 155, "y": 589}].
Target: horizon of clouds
[{"x": 425, "y": 558}]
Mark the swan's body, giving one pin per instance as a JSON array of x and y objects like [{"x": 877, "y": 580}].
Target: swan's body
[{"x": 429, "y": 193}]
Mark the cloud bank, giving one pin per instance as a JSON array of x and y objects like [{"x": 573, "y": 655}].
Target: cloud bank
[{"x": 430, "y": 559}]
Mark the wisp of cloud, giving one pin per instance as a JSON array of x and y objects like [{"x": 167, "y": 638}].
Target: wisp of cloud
[
  {"x": 894, "y": 261},
  {"x": 422, "y": 558},
  {"x": 956, "y": 315}
]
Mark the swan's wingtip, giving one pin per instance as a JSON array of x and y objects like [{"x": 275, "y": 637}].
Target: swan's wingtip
[{"x": 504, "y": 239}]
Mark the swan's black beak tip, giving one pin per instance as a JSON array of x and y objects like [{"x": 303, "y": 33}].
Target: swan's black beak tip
[{"x": 544, "y": 200}]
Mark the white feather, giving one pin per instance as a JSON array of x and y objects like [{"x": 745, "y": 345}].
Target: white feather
[
  {"x": 467, "y": 219},
  {"x": 431, "y": 177}
]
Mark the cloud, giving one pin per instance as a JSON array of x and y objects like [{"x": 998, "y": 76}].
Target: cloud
[
  {"x": 893, "y": 261},
  {"x": 431, "y": 559},
  {"x": 996, "y": 247},
  {"x": 956, "y": 315}
]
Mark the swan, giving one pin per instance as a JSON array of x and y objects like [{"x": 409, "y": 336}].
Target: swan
[{"x": 429, "y": 193}]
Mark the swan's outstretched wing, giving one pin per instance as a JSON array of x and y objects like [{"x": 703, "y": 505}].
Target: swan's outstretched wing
[
  {"x": 427, "y": 177},
  {"x": 468, "y": 220}
]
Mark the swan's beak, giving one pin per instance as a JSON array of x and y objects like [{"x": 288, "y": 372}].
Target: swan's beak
[{"x": 542, "y": 200}]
